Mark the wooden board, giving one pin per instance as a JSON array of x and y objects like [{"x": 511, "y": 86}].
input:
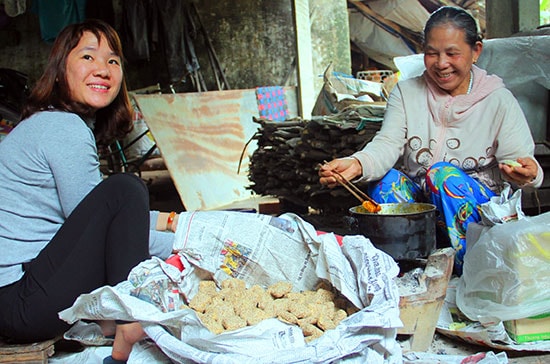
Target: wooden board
[
  {"x": 36, "y": 353},
  {"x": 420, "y": 312},
  {"x": 201, "y": 137}
]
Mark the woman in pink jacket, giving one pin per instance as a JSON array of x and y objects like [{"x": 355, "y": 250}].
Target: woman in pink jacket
[{"x": 460, "y": 132}]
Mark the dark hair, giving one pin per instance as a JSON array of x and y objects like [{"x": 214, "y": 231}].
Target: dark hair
[
  {"x": 456, "y": 17},
  {"x": 51, "y": 90}
]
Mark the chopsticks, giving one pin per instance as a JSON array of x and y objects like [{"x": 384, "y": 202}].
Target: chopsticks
[{"x": 356, "y": 192}]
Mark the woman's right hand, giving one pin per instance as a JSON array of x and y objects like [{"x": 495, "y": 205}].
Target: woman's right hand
[{"x": 348, "y": 167}]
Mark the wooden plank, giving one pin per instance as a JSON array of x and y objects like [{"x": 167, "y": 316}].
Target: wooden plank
[
  {"x": 420, "y": 312},
  {"x": 201, "y": 137}
]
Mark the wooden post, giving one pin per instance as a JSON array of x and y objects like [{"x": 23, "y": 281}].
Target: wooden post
[
  {"x": 306, "y": 91},
  {"x": 507, "y": 17}
]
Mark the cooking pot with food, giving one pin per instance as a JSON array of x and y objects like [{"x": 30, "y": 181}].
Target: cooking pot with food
[{"x": 406, "y": 231}]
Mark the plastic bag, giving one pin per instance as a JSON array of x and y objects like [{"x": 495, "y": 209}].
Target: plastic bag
[
  {"x": 506, "y": 274},
  {"x": 502, "y": 208}
]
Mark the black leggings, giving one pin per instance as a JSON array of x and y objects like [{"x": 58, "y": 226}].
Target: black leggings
[{"x": 100, "y": 242}]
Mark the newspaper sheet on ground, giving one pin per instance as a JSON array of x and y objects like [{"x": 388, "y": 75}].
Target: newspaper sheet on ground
[{"x": 258, "y": 249}]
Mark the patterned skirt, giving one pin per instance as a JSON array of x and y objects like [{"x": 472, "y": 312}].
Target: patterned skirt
[{"x": 456, "y": 195}]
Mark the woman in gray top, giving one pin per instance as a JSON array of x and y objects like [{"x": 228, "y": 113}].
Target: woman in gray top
[{"x": 63, "y": 230}]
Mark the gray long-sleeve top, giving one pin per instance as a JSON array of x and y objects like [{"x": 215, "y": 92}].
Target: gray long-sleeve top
[
  {"x": 475, "y": 131},
  {"x": 48, "y": 164}
]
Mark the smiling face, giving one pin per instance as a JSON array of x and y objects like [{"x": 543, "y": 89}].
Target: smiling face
[
  {"x": 93, "y": 72},
  {"x": 448, "y": 58}
]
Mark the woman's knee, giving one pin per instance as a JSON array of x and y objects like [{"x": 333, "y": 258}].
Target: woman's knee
[
  {"x": 439, "y": 172},
  {"x": 127, "y": 186},
  {"x": 442, "y": 165},
  {"x": 126, "y": 181}
]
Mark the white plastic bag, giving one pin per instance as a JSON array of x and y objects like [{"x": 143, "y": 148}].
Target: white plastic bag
[
  {"x": 506, "y": 274},
  {"x": 502, "y": 208}
]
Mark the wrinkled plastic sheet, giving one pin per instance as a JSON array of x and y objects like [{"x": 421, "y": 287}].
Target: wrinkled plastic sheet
[
  {"x": 382, "y": 44},
  {"x": 507, "y": 272}
]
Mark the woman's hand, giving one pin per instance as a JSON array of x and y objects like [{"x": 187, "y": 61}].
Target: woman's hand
[
  {"x": 520, "y": 174},
  {"x": 348, "y": 167}
]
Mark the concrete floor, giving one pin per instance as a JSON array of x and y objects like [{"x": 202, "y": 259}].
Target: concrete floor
[{"x": 164, "y": 197}]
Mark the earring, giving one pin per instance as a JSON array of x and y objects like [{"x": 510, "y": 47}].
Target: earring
[{"x": 475, "y": 61}]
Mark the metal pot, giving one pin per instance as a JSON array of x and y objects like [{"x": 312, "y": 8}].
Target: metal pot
[{"x": 406, "y": 231}]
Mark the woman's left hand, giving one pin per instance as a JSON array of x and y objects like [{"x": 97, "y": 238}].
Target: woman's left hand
[
  {"x": 167, "y": 221},
  {"x": 520, "y": 175}
]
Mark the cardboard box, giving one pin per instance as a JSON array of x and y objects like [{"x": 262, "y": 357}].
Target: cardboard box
[{"x": 529, "y": 329}]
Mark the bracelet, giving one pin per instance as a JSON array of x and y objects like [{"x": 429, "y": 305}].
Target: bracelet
[{"x": 170, "y": 221}]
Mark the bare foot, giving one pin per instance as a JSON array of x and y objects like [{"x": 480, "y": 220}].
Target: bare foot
[
  {"x": 126, "y": 336},
  {"x": 108, "y": 327}
]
